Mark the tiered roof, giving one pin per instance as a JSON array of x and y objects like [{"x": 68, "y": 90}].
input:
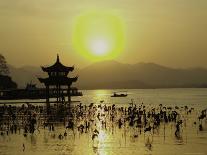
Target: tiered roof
[
  {"x": 60, "y": 79},
  {"x": 58, "y": 67}
]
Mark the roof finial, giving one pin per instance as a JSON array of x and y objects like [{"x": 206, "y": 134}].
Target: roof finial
[{"x": 58, "y": 60}]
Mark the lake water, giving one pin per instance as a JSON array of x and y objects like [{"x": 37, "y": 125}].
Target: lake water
[
  {"x": 121, "y": 141},
  {"x": 180, "y": 97}
]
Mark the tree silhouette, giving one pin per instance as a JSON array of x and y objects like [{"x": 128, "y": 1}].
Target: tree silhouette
[{"x": 4, "y": 69}]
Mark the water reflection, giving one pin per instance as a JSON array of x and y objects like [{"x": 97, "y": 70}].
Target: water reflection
[
  {"x": 101, "y": 92},
  {"x": 111, "y": 129}
]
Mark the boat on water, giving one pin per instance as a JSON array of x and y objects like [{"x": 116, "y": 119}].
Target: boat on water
[{"x": 119, "y": 94}]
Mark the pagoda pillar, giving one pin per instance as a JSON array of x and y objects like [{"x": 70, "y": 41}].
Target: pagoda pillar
[
  {"x": 69, "y": 97},
  {"x": 57, "y": 92},
  {"x": 47, "y": 98}
]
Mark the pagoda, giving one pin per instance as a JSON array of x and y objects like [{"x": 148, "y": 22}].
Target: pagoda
[{"x": 57, "y": 81}]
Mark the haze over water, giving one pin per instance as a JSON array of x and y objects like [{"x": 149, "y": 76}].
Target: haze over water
[
  {"x": 196, "y": 97},
  {"x": 172, "y": 97}
]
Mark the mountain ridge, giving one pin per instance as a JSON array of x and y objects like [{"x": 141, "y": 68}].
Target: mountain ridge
[{"x": 113, "y": 74}]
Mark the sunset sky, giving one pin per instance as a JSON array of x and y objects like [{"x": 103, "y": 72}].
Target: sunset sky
[{"x": 168, "y": 32}]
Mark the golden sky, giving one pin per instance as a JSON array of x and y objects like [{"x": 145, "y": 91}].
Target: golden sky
[{"x": 167, "y": 32}]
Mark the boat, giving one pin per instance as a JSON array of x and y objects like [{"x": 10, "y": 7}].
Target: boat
[{"x": 119, "y": 94}]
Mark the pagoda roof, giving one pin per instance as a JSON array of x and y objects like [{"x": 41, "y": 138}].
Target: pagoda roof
[
  {"x": 57, "y": 67},
  {"x": 62, "y": 80}
]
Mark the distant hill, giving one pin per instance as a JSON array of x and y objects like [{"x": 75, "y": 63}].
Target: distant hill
[
  {"x": 112, "y": 74},
  {"x": 25, "y": 75}
]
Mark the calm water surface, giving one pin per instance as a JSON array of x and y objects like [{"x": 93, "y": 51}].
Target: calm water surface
[
  {"x": 121, "y": 141},
  {"x": 180, "y": 97}
]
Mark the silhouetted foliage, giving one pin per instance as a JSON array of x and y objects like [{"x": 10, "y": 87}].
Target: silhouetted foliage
[
  {"x": 6, "y": 82},
  {"x": 4, "y": 69}
]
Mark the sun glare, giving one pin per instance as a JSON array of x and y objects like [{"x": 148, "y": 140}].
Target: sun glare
[
  {"x": 99, "y": 47},
  {"x": 98, "y": 35}
]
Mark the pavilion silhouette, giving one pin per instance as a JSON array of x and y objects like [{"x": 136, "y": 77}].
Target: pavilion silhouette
[{"x": 57, "y": 81}]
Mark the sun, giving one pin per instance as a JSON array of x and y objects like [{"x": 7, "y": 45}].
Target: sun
[
  {"x": 99, "y": 47},
  {"x": 98, "y": 35}
]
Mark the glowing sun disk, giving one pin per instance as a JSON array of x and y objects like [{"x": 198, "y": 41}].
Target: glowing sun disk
[
  {"x": 99, "y": 47},
  {"x": 98, "y": 35}
]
